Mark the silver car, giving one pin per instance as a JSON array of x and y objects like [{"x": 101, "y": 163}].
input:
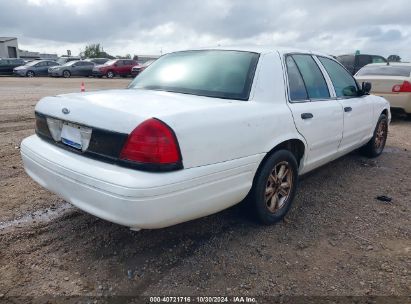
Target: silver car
[
  {"x": 72, "y": 68},
  {"x": 34, "y": 68}
]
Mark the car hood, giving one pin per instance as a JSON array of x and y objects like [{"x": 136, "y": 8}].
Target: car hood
[
  {"x": 22, "y": 67},
  {"x": 123, "y": 110}
]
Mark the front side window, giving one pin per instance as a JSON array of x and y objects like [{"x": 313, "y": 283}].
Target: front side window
[
  {"x": 313, "y": 78},
  {"x": 344, "y": 84},
  {"x": 211, "y": 73},
  {"x": 295, "y": 81}
]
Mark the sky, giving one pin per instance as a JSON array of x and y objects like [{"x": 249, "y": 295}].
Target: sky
[{"x": 159, "y": 26}]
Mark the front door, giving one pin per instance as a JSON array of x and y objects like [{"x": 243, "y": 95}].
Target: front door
[
  {"x": 357, "y": 107},
  {"x": 317, "y": 116}
]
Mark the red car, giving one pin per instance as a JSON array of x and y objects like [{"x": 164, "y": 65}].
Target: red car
[{"x": 120, "y": 67}]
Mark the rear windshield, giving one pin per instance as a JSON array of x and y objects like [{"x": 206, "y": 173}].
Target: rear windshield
[
  {"x": 385, "y": 70},
  {"x": 212, "y": 73}
]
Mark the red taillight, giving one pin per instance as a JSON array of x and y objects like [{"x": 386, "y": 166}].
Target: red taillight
[
  {"x": 404, "y": 87},
  {"x": 152, "y": 142}
]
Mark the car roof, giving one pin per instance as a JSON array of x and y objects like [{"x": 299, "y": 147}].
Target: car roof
[{"x": 261, "y": 49}]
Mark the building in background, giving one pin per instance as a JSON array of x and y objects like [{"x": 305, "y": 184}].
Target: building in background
[
  {"x": 29, "y": 55},
  {"x": 9, "y": 47}
]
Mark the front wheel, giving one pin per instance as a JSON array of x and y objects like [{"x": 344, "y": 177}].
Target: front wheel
[
  {"x": 66, "y": 74},
  {"x": 110, "y": 74},
  {"x": 376, "y": 144},
  {"x": 274, "y": 187},
  {"x": 30, "y": 74}
]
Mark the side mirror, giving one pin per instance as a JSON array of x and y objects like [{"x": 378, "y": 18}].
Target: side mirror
[{"x": 366, "y": 88}]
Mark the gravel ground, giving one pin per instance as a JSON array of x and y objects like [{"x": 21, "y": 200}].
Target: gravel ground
[{"x": 337, "y": 240}]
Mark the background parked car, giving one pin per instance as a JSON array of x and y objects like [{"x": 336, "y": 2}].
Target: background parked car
[
  {"x": 35, "y": 68},
  {"x": 141, "y": 67},
  {"x": 98, "y": 60},
  {"x": 393, "y": 82},
  {"x": 72, "y": 68},
  {"x": 8, "y": 64},
  {"x": 353, "y": 63},
  {"x": 120, "y": 67},
  {"x": 63, "y": 60}
]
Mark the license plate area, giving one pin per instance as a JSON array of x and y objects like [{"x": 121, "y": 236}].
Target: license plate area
[{"x": 75, "y": 136}]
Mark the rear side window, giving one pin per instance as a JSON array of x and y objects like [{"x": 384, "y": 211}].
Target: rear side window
[
  {"x": 385, "y": 70},
  {"x": 295, "y": 81},
  {"x": 313, "y": 78},
  {"x": 344, "y": 84}
]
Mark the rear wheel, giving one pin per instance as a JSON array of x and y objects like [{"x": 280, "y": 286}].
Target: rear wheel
[
  {"x": 274, "y": 187},
  {"x": 376, "y": 144},
  {"x": 66, "y": 74},
  {"x": 30, "y": 74},
  {"x": 110, "y": 74}
]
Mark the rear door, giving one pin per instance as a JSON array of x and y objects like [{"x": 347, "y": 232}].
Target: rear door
[
  {"x": 317, "y": 115},
  {"x": 358, "y": 108}
]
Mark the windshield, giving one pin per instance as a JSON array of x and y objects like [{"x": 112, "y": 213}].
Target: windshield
[
  {"x": 31, "y": 63},
  {"x": 69, "y": 63},
  {"x": 385, "y": 70},
  {"x": 212, "y": 73},
  {"x": 110, "y": 62}
]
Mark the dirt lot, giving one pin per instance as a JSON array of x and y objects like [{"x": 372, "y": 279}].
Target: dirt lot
[{"x": 337, "y": 239}]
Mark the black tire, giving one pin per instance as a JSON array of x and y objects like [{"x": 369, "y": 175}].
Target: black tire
[
  {"x": 110, "y": 74},
  {"x": 30, "y": 74},
  {"x": 271, "y": 210},
  {"x": 66, "y": 74},
  {"x": 376, "y": 144}
]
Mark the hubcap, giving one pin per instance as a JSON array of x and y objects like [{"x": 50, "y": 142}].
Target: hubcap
[
  {"x": 278, "y": 186},
  {"x": 381, "y": 135}
]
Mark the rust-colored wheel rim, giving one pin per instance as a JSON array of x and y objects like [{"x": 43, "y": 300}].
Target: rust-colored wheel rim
[
  {"x": 381, "y": 135},
  {"x": 278, "y": 187}
]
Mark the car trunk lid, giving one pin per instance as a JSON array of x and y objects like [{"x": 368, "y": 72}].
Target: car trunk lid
[{"x": 122, "y": 110}]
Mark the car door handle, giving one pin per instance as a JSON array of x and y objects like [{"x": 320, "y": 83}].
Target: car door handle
[
  {"x": 347, "y": 109},
  {"x": 307, "y": 115}
]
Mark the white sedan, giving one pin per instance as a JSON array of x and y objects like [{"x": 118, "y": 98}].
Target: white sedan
[{"x": 201, "y": 130}]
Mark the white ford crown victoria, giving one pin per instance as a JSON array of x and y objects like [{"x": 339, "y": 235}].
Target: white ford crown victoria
[{"x": 201, "y": 130}]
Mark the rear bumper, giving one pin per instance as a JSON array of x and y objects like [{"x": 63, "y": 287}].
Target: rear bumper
[
  {"x": 134, "y": 198},
  {"x": 398, "y": 100}
]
